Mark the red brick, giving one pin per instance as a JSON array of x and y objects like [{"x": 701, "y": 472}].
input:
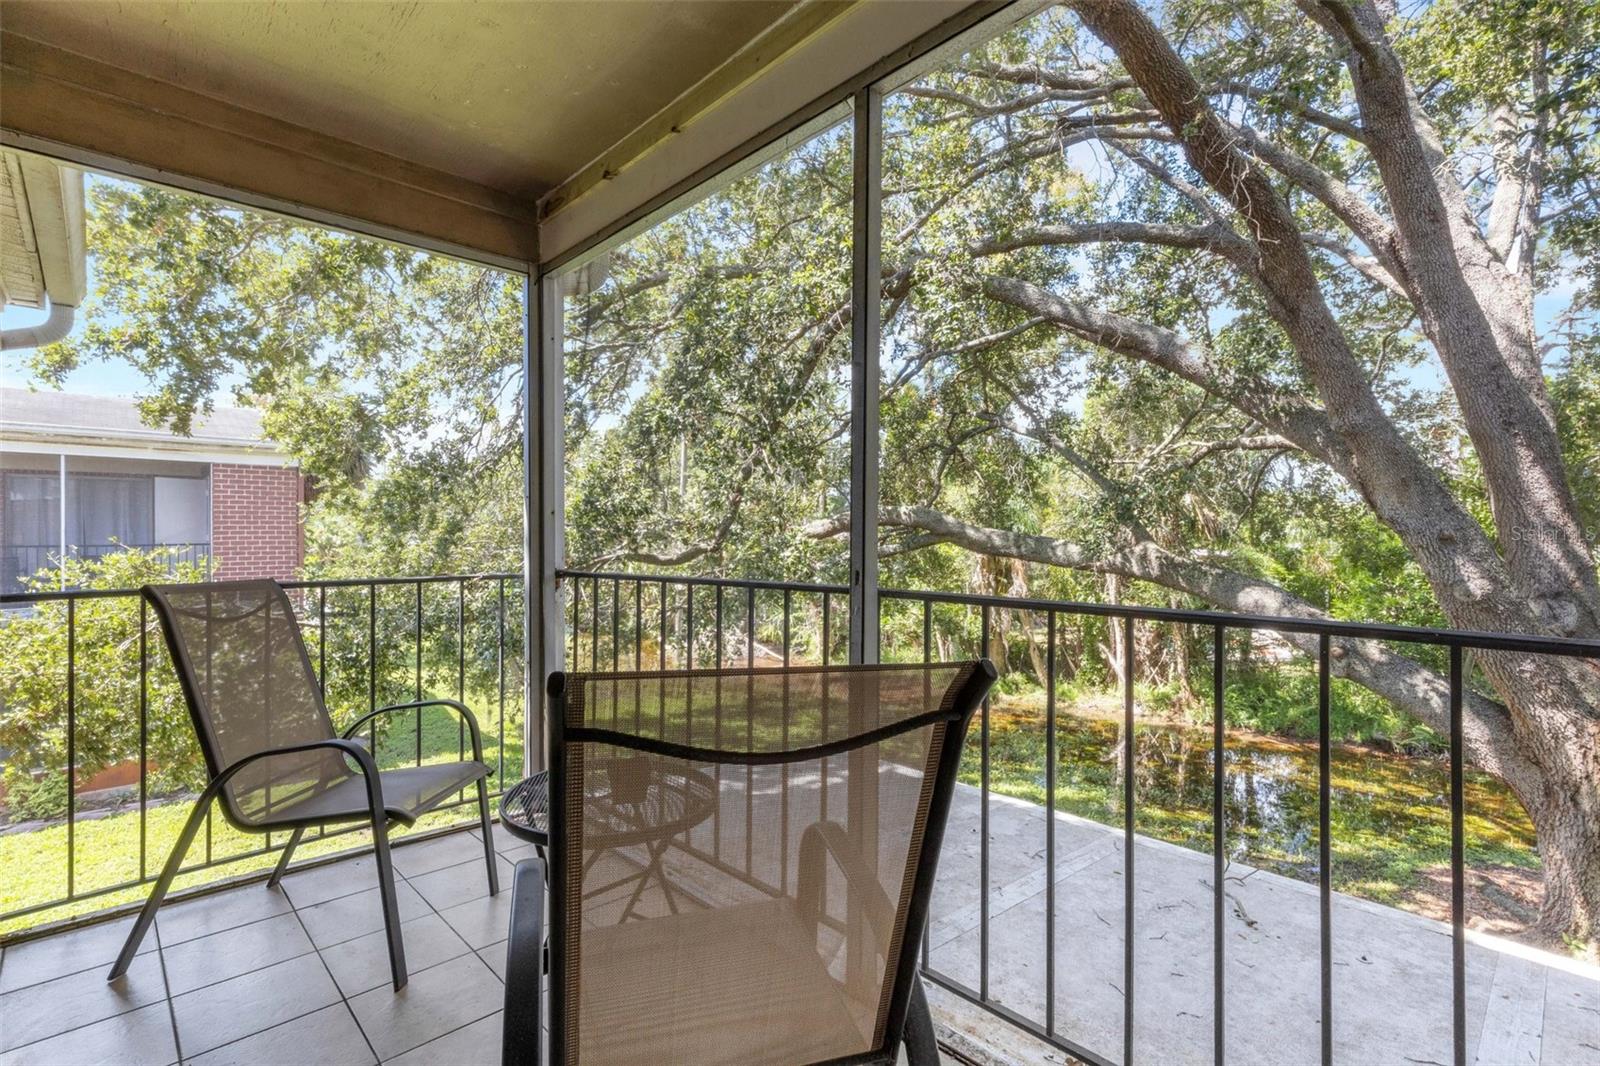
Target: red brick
[{"x": 255, "y": 520}]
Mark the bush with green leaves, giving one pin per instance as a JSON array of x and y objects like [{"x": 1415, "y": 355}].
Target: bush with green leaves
[{"x": 100, "y": 638}]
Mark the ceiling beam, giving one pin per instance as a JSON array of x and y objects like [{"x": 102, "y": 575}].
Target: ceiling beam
[
  {"x": 57, "y": 96},
  {"x": 805, "y": 22}
]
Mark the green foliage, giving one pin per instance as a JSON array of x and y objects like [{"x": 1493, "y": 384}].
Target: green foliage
[
  {"x": 106, "y": 696},
  {"x": 29, "y": 797}
]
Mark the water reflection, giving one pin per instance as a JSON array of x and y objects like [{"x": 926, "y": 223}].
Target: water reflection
[{"x": 1390, "y": 812}]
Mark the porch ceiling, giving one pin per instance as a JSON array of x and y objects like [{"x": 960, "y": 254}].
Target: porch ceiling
[{"x": 476, "y": 110}]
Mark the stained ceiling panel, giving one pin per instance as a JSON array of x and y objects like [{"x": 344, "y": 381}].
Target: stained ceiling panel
[{"x": 514, "y": 96}]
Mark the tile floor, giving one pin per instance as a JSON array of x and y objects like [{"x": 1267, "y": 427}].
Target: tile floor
[{"x": 262, "y": 977}]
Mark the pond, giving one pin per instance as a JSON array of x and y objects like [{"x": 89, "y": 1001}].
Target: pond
[{"x": 1390, "y": 812}]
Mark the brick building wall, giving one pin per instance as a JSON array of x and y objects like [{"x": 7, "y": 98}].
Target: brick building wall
[{"x": 255, "y": 520}]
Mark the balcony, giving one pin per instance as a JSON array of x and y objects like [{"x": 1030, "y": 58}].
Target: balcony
[
  {"x": 1040, "y": 924},
  {"x": 22, "y": 561},
  {"x": 1228, "y": 375}
]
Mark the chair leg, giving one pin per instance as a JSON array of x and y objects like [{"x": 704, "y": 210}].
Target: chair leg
[
  {"x": 488, "y": 838},
  {"x": 521, "y": 1031},
  {"x": 922, "y": 1047},
  {"x": 283, "y": 860},
  {"x": 147, "y": 914},
  {"x": 391, "y": 904}
]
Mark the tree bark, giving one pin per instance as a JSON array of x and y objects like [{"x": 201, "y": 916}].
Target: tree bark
[{"x": 1478, "y": 314}]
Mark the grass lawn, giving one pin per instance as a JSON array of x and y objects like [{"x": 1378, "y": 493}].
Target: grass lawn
[{"x": 107, "y": 848}]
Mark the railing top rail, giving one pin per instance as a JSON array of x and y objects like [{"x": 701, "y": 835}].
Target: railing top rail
[
  {"x": 47, "y": 595},
  {"x": 1464, "y": 638},
  {"x": 685, "y": 579}
]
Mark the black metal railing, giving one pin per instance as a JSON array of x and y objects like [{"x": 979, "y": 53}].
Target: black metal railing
[
  {"x": 632, "y": 621},
  {"x": 372, "y": 641}
]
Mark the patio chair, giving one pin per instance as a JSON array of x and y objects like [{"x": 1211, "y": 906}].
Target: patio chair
[
  {"x": 791, "y": 930},
  {"x": 273, "y": 756}
]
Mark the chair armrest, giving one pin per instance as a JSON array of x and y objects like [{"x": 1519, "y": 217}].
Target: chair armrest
[
  {"x": 520, "y": 1033},
  {"x": 822, "y": 839},
  {"x": 460, "y": 708}
]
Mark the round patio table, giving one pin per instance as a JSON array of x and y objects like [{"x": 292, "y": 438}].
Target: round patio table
[{"x": 628, "y": 802}]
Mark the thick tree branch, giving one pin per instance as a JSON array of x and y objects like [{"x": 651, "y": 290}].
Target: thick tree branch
[
  {"x": 1406, "y": 494},
  {"x": 1296, "y": 104},
  {"x": 1369, "y": 227},
  {"x": 1366, "y": 265},
  {"x": 1284, "y": 413},
  {"x": 1403, "y": 681},
  {"x": 1479, "y": 317},
  {"x": 1217, "y": 239},
  {"x": 1260, "y": 442},
  {"x": 1092, "y": 83}
]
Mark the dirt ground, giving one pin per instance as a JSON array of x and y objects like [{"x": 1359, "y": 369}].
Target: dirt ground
[{"x": 1501, "y": 900}]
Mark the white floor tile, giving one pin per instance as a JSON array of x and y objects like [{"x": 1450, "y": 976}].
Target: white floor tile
[
  {"x": 475, "y": 1043},
  {"x": 328, "y": 1037},
  {"x": 363, "y": 963},
  {"x": 141, "y": 1037},
  {"x": 351, "y": 916},
  {"x": 33, "y": 961},
  {"x": 54, "y": 1006},
  {"x": 222, "y": 1013},
  {"x": 209, "y": 959},
  {"x": 435, "y": 1002}
]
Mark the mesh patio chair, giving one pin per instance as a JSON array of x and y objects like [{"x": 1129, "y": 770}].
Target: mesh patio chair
[
  {"x": 784, "y": 927},
  {"x": 273, "y": 756}
]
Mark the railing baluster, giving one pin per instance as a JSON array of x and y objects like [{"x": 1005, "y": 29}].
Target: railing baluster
[
  {"x": 638, "y": 653},
  {"x": 1218, "y": 841},
  {"x": 461, "y": 670},
  {"x": 716, "y": 727},
  {"x": 1458, "y": 899},
  {"x": 927, "y": 657},
  {"x": 749, "y": 724},
  {"x": 983, "y": 819},
  {"x": 72, "y": 746},
  {"x": 1325, "y": 843},
  {"x": 783, "y": 769},
  {"x": 827, "y": 605},
  {"x": 500, "y": 678},
  {"x": 144, "y": 734},
  {"x": 577, "y": 633},
  {"x": 417, "y": 687},
  {"x": 616, "y": 612},
  {"x": 1129, "y": 755},
  {"x": 372, "y": 660},
  {"x": 1050, "y": 823},
  {"x": 594, "y": 626},
  {"x": 322, "y": 661}
]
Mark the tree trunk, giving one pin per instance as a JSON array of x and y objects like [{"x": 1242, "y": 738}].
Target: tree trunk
[
  {"x": 1556, "y": 782},
  {"x": 1569, "y": 849}
]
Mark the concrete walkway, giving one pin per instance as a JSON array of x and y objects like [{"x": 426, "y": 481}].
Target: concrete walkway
[{"x": 1391, "y": 969}]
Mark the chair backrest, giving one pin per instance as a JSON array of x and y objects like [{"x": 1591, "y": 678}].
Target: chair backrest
[
  {"x": 721, "y": 811},
  {"x": 242, "y": 664}
]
